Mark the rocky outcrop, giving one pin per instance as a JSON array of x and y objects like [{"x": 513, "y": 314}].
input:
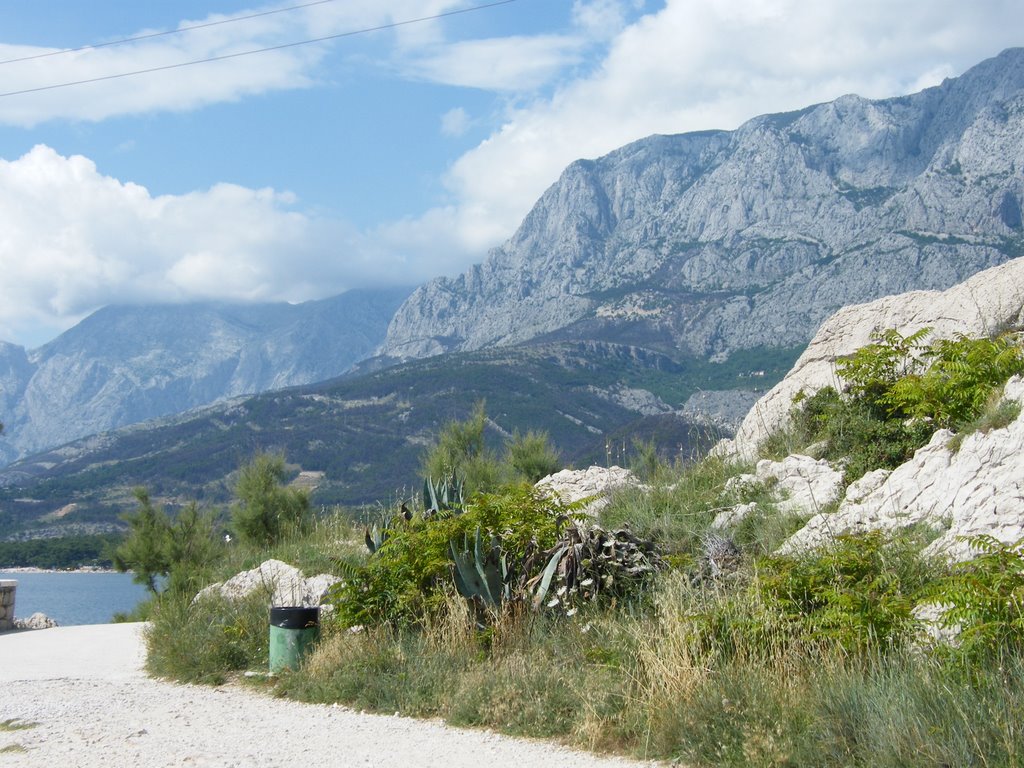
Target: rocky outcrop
[
  {"x": 593, "y": 482},
  {"x": 708, "y": 243},
  {"x": 976, "y": 488},
  {"x": 36, "y": 621},
  {"x": 124, "y": 365},
  {"x": 284, "y": 585},
  {"x": 990, "y": 301}
]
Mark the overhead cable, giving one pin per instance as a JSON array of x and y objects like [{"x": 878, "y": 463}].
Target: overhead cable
[{"x": 252, "y": 52}]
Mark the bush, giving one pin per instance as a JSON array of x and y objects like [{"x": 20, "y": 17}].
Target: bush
[
  {"x": 531, "y": 457},
  {"x": 897, "y": 392},
  {"x": 984, "y": 597},
  {"x": 857, "y": 592},
  {"x": 266, "y": 511},
  {"x": 405, "y": 581}
]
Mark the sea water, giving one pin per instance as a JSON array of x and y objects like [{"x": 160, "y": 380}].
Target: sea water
[{"x": 75, "y": 597}]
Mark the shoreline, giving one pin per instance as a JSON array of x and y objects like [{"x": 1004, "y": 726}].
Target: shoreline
[{"x": 81, "y": 569}]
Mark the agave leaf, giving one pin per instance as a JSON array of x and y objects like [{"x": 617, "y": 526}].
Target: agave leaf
[{"x": 549, "y": 572}]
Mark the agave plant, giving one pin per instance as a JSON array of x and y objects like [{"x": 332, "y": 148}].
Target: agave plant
[
  {"x": 376, "y": 535},
  {"x": 443, "y": 496},
  {"x": 589, "y": 562},
  {"x": 481, "y": 572}
]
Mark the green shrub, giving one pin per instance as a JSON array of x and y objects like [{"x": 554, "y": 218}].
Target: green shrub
[
  {"x": 461, "y": 449},
  {"x": 267, "y": 511},
  {"x": 531, "y": 456},
  {"x": 857, "y": 592},
  {"x": 897, "y": 392},
  {"x": 405, "y": 580},
  {"x": 984, "y": 597}
]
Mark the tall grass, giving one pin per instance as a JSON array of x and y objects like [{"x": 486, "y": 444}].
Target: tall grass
[{"x": 706, "y": 673}]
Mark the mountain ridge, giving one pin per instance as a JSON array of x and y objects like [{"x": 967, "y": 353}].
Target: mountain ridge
[
  {"x": 710, "y": 242},
  {"x": 126, "y": 364}
]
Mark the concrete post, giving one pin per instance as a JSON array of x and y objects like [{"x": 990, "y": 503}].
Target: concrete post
[{"x": 7, "y": 594}]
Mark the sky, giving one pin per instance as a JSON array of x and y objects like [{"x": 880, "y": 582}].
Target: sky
[{"x": 411, "y": 138}]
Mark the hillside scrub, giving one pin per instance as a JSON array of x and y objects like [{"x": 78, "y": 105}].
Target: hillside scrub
[
  {"x": 897, "y": 391},
  {"x": 651, "y": 633}
]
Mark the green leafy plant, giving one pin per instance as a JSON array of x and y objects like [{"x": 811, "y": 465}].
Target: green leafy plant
[
  {"x": 531, "y": 456},
  {"x": 406, "y": 579},
  {"x": 984, "y": 597},
  {"x": 857, "y": 592},
  {"x": 897, "y": 391},
  {"x": 481, "y": 571}
]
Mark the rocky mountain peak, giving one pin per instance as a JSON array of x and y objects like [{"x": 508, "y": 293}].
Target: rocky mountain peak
[{"x": 707, "y": 243}]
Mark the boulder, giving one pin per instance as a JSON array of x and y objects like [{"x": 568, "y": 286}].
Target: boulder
[
  {"x": 284, "y": 584},
  {"x": 35, "y": 621},
  {"x": 804, "y": 484},
  {"x": 577, "y": 484}
]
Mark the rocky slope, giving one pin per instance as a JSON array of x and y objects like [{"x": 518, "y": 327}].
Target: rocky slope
[
  {"x": 706, "y": 243},
  {"x": 988, "y": 302},
  {"x": 963, "y": 488},
  {"x": 123, "y": 365}
]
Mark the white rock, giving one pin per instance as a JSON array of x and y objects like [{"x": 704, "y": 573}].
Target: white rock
[
  {"x": 858, "y": 490},
  {"x": 806, "y": 484},
  {"x": 284, "y": 584},
  {"x": 733, "y": 516},
  {"x": 35, "y": 621},
  {"x": 576, "y": 484}
]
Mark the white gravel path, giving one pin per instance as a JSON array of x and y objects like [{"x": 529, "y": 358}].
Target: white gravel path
[{"x": 85, "y": 689}]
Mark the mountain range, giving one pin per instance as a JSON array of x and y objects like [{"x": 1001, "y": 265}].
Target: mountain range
[
  {"x": 126, "y": 364},
  {"x": 676, "y": 274},
  {"x": 701, "y": 244}
]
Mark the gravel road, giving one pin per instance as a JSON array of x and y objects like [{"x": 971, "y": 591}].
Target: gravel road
[{"x": 91, "y": 704}]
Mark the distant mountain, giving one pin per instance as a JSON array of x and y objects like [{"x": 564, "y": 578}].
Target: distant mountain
[
  {"x": 706, "y": 243},
  {"x": 123, "y": 365},
  {"x": 647, "y": 290},
  {"x": 367, "y": 434}
]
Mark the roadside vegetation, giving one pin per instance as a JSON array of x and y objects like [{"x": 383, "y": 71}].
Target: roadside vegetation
[{"x": 646, "y": 631}]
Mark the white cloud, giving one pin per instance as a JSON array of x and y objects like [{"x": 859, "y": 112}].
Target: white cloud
[
  {"x": 177, "y": 87},
  {"x": 73, "y": 240},
  {"x": 513, "y": 64},
  {"x": 455, "y": 122}
]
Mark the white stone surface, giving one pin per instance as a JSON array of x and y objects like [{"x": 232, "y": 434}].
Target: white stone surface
[
  {"x": 976, "y": 490},
  {"x": 284, "y": 584},
  {"x": 803, "y": 484},
  {"x": 577, "y": 484}
]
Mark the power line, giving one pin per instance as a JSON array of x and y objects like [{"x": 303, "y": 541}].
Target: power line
[
  {"x": 239, "y": 54},
  {"x": 178, "y": 31}
]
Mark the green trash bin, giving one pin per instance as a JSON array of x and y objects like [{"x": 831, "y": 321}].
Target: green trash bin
[{"x": 293, "y": 631}]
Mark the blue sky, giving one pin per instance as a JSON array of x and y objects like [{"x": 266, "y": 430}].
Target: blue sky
[{"x": 387, "y": 157}]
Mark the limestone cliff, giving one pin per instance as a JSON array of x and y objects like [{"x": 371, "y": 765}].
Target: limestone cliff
[{"x": 707, "y": 243}]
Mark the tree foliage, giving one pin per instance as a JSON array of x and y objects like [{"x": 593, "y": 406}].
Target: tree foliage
[
  {"x": 461, "y": 449},
  {"x": 531, "y": 456},
  {"x": 266, "y": 510},
  {"x": 161, "y": 549}
]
